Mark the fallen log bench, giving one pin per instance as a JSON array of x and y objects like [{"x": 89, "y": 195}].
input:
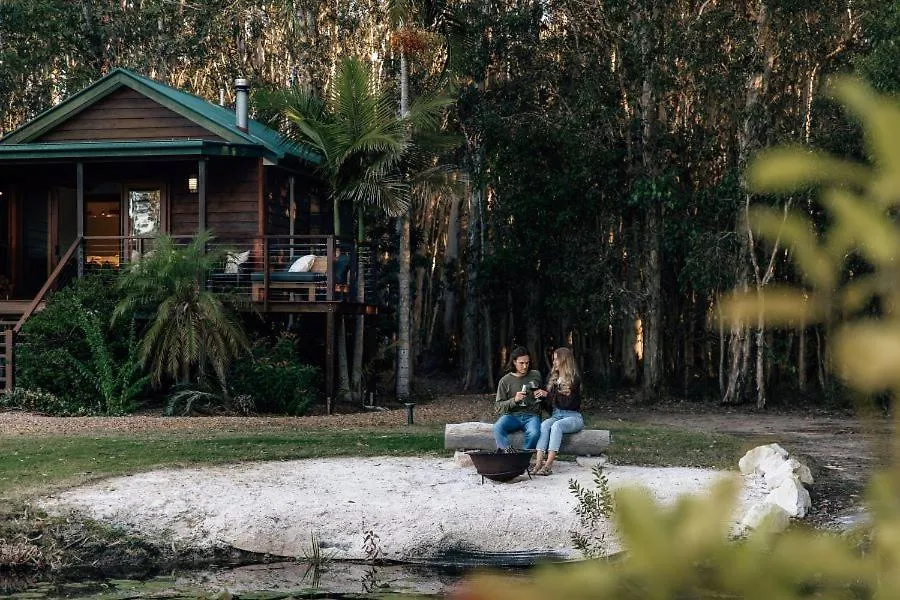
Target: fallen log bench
[{"x": 475, "y": 435}]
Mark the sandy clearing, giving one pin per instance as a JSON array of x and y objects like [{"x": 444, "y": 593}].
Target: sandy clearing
[{"x": 420, "y": 508}]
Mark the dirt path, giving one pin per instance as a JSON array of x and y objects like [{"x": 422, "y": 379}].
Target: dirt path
[{"x": 841, "y": 450}]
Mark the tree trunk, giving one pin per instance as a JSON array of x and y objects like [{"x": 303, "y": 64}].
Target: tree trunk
[
  {"x": 357, "y": 392},
  {"x": 629, "y": 354},
  {"x": 473, "y": 379},
  {"x": 801, "y": 360},
  {"x": 343, "y": 367},
  {"x": 451, "y": 258},
  {"x": 749, "y": 139},
  {"x": 404, "y": 363},
  {"x": 651, "y": 317}
]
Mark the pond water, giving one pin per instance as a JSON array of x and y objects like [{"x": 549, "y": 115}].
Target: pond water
[{"x": 271, "y": 581}]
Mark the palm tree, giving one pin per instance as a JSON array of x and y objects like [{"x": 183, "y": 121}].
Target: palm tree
[
  {"x": 190, "y": 332},
  {"x": 363, "y": 143}
]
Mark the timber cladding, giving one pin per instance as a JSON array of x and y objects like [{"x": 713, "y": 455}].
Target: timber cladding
[
  {"x": 231, "y": 201},
  {"x": 127, "y": 115}
]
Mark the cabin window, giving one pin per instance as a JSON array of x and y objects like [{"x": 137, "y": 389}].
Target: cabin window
[{"x": 144, "y": 210}]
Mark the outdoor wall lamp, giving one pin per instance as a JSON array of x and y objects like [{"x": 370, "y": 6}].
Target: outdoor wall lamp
[{"x": 192, "y": 184}]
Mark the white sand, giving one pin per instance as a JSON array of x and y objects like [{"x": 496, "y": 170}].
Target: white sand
[{"x": 419, "y": 507}]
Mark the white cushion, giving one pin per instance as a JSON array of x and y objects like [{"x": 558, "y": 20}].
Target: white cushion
[
  {"x": 234, "y": 260},
  {"x": 302, "y": 264}
]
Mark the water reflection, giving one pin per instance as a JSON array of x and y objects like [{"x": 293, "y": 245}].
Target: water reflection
[{"x": 299, "y": 580}]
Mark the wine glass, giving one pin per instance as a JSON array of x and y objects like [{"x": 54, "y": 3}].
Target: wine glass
[{"x": 534, "y": 386}]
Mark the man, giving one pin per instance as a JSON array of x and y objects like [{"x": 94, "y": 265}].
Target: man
[{"x": 516, "y": 404}]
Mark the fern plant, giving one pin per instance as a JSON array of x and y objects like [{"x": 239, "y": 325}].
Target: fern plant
[{"x": 118, "y": 383}]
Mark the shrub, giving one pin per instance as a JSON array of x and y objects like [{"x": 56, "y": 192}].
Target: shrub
[
  {"x": 40, "y": 401},
  {"x": 51, "y": 339},
  {"x": 275, "y": 379}
]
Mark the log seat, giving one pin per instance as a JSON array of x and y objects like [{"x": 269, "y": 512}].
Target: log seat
[{"x": 476, "y": 435}]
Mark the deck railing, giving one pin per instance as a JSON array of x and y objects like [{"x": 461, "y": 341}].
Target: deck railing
[{"x": 258, "y": 269}]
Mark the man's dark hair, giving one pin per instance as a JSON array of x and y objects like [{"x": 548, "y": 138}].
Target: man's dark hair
[{"x": 517, "y": 353}]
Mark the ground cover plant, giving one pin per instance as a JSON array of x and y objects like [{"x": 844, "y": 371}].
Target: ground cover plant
[{"x": 70, "y": 359}]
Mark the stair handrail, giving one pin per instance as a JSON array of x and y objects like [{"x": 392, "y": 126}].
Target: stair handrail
[{"x": 48, "y": 285}]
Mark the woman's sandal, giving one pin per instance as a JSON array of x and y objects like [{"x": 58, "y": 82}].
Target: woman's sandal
[
  {"x": 533, "y": 469},
  {"x": 545, "y": 470}
]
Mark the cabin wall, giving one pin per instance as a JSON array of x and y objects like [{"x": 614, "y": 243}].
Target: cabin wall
[
  {"x": 127, "y": 115},
  {"x": 232, "y": 201}
]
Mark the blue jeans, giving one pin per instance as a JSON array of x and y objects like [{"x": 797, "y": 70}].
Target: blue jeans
[
  {"x": 560, "y": 422},
  {"x": 530, "y": 423}
]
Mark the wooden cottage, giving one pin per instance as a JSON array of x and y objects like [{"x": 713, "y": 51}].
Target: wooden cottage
[{"x": 92, "y": 181}]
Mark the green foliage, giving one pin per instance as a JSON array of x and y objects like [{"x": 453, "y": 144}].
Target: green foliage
[
  {"x": 275, "y": 380},
  {"x": 191, "y": 331},
  {"x": 188, "y": 401},
  {"x": 119, "y": 384},
  {"x": 55, "y": 337},
  {"x": 39, "y": 401},
  {"x": 685, "y": 551},
  {"x": 359, "y": 135},
  {"x": 593, "y": 507}
]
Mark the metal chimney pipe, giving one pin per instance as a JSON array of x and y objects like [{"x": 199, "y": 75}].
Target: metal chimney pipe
[
  {"x": 221, "y": 96},
  {"x": 242, "y": 89}
]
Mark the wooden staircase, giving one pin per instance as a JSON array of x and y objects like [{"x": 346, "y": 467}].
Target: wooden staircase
[{"x": 11, "y": 312}]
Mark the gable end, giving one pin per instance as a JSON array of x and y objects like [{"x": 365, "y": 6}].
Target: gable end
[{"x": 126, "y": 114}]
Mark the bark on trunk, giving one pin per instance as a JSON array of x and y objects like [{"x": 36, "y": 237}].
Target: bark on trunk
[
  {"x": 749, "y": 140},
  {"x": 343, "y": 367},
  {"x": 404, "y": 362},
  {"x": 451, "y": 257},
  {"x": 474, "y": 379},
  {"x": 356, "y": 380}
]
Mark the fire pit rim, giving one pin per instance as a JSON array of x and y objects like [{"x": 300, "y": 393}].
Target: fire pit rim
[{"x": 500, "y": 466}]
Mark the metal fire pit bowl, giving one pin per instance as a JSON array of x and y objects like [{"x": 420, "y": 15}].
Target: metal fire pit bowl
[{"x": 501, "y": 466}]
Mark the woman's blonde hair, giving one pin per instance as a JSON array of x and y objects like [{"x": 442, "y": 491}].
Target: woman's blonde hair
[{"x": 564, "y": 373}]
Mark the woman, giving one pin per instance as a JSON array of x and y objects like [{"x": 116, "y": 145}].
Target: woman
[{"x": 563, "y": 394}]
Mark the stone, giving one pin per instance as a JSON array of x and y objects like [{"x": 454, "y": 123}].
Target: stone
[
  {"x": 475, "y": 435},
  {"x": 786, "y": 469},
  {"x": 791, "y": 496},
  {"x": 462, "y": 459},
  {"x": 750, "y": 462},
  {"x": 772, "y": 516}
]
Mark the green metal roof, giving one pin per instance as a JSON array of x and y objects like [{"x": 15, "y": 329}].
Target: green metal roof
[
  {"x": 215, "y": 118},
  {"x": 130, "y": 149}
]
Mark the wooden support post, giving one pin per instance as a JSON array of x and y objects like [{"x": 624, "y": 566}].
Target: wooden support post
[
  {"x": 79, "y": 210},
  {"x": 201, "y": 193},
  {"x": 329, "y": 271},
  {"x": 9, "y": 367},
  {"x": 329, "y": 359}
]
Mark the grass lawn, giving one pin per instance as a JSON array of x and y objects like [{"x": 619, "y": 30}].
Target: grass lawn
[{"x": 31, "y": 465}]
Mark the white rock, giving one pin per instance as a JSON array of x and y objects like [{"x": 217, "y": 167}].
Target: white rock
[
  {"x": 462, "y": 459},
  {"x": 791, "y": 496},
  {"x": 589, "y": 462},
  {"x": 750, "y": 462},
  {"x": 785, "y": 470},
  {"x": 772, "y": 516}
]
